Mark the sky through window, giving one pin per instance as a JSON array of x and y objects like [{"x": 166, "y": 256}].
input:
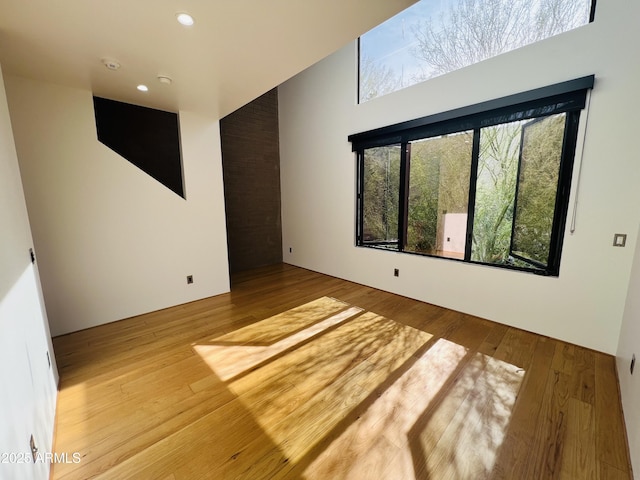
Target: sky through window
[{"x": 431, "y": 38}]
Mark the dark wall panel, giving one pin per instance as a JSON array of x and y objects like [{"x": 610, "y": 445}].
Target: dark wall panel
[
  {"x": 146, "y": 137},
  {"x": 251, "y": 169}
]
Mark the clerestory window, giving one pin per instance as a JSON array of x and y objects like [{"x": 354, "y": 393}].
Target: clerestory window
[
  {"x": 485, "y": 184},
  {"x": 431, "y": 38}
]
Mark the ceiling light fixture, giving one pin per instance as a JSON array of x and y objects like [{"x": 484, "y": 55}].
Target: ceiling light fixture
[
  {"x": 164, "y": 79},
  {"x": 143, "y": 88},
  {"x": 185, "y": 19}
]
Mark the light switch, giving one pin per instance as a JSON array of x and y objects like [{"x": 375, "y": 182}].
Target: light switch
[{"x": 619, "y": 239}]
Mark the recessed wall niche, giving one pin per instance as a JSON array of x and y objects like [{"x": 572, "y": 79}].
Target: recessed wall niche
[{"x": 146, "y": 137}]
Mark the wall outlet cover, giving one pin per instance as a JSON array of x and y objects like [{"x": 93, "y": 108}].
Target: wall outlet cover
[{"x": 619, "y": 239}]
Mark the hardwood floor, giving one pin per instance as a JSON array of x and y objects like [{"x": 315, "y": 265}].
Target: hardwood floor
[{"x": 296, "y": 375}]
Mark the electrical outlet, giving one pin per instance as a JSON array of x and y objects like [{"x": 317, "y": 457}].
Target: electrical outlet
[
  {"x": 619, "y": 239},
  {"x": 633, "y": 363},
  {"x": 189, "y": 279},
  {"x": 396, "y": 272}
]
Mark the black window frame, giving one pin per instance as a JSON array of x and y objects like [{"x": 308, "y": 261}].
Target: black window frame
[{"x": 566, "y": 97}]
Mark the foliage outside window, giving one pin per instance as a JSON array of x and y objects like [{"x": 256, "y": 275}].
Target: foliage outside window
[
  {"x": 431, "y": 38},
  {"x": 489, "y": 184},
  {"x": 380, "y": 212}
]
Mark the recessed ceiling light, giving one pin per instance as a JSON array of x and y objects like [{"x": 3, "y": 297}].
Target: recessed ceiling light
[
  {"x": 185, "y": 19},
  {"x": 143, "y": 88},
  {"x": 164, "y": 79}
]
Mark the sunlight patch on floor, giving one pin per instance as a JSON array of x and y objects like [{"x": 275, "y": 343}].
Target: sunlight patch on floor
[
  {"x": 275, "y": 328},
  {"x": 383, "y": 430},
  {"x": 477, "y": 412},
  {"x": 417, "y": 431},
  {"x": 76, "y": 410},
  {"x": 228, "y": 361},
  {"x": 354, "y": 394}
]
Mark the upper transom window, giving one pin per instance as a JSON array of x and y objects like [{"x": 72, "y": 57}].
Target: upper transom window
[{"x": 433, "y": 38}]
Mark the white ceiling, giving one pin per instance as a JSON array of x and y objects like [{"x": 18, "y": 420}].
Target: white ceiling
[{"x": 237, "y": 49}]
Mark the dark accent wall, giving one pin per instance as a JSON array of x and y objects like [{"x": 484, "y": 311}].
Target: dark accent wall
[
  {"x": 251, "y": 169},
  {"x": 146, "y": 137}
]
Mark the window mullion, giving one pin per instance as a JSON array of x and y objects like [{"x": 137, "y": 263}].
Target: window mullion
[
  {"x": 403, "y": 201},
  {"x": 360, "y": 197},
  {"x": 473, "y": 178}
]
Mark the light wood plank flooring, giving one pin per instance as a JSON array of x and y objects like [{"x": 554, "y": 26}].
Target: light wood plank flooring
[{"x": 297, "y": 375}]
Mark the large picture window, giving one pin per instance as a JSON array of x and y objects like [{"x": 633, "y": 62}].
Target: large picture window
[
  {"x": 485, "y": 184},
  {"x": 432, "y": 38}
]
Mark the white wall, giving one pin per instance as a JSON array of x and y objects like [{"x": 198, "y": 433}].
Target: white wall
[
  {"x": 112, "y": 242},
  {"x": 629, "y": 345},
  {"x": 584, "y": 305},
  {"x": 27, "y": 381}
]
